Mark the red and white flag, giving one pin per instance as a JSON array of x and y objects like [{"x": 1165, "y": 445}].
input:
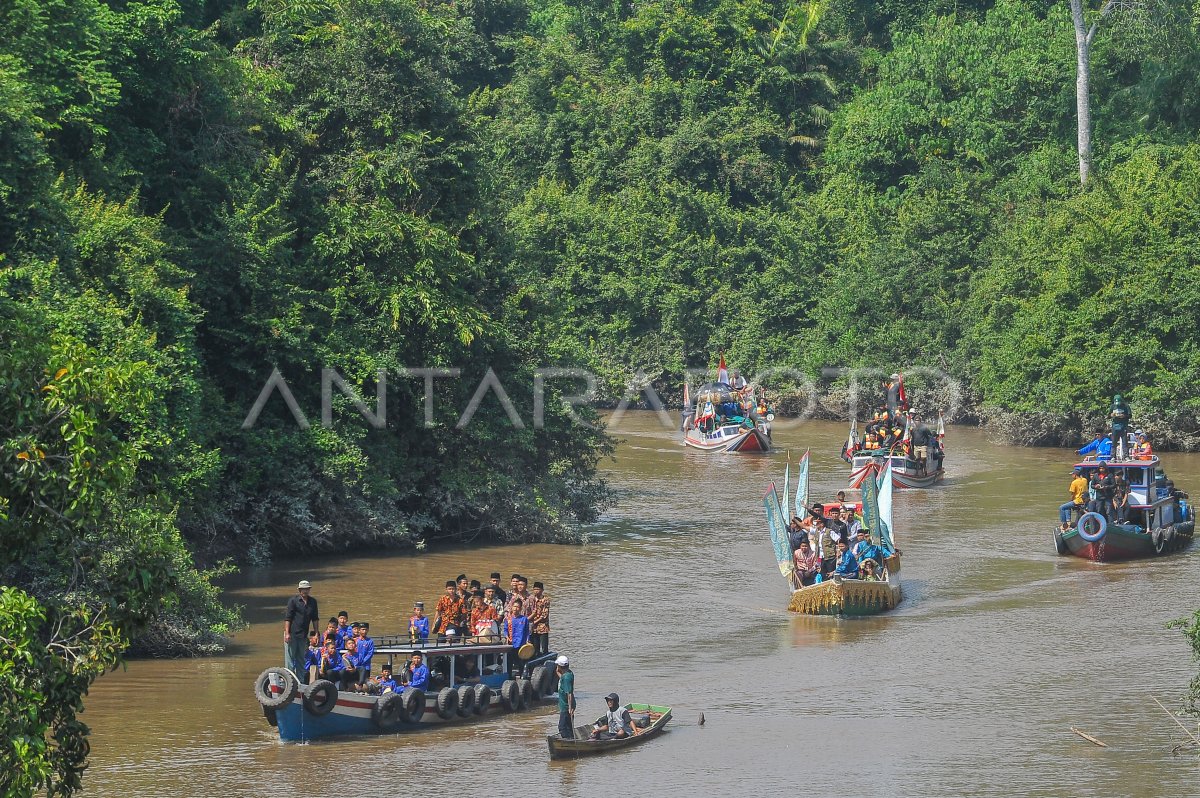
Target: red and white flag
[{"x": 722, "y": 372}]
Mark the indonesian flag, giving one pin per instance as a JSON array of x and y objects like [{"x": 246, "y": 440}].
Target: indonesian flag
[
  {"x": 722, "y": 372},
  {"x": 941, "y": 432},
  {"x": 687, "y": 400}
]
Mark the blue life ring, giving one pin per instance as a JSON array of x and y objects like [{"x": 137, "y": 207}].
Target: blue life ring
[{"x": 1090, "y": 537}]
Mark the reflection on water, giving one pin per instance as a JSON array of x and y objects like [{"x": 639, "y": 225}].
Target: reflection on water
[{"x": 969, "y": 688}]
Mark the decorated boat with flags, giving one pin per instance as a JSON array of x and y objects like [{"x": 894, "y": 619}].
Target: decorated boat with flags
[
  {"x": 467, "y": 680},
  {"x": 728, "y": 415},
  {"x": 832, "y": 594},
  {"x": 913, "y": 452},
  {"x": 1158, "y": 519}
]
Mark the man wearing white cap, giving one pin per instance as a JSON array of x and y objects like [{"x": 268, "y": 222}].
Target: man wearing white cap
[
  {"x": 566, "y": 698},
  {"x": 301, "y": 613}
]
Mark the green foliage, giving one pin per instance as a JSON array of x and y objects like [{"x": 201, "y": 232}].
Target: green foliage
[{"x": 1190, "y": 627}]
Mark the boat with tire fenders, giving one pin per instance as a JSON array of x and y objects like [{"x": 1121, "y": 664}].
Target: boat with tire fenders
[
  {"x": 648, "y": 720},
  {"x": 1161, "y": 520},
  {"x": 308, "y": 712}
]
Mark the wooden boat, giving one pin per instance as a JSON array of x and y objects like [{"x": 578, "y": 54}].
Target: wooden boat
[
  {"x": 837, "y": 596},
  {"x": 725, "y": 420},
  {"x": 907, "y": 471},
  {"x": 648, "y": 720},
  {"x": 1161, "y": 521},
  {"x": 307, "y": 712}
]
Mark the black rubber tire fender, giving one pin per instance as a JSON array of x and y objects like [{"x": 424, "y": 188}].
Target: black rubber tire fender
[
  {"x": 1159, "y": 539},
  {"x": 414, "y": 704},
  {"x": 388, "y": 710},
  {"x": 466, "y": 700},
  {"x": 270, "y": 715},
  {"x": 447, "y": 702},
  {"x": 483, "y": 698},
  {"x": 1170, "y": 539},
  {"x": 510, "y": 696},
  {"x": 526, "y": 693},
  {"x": 536, "y": 680},
  {"x": 267, "y": 680},
  {"x": 320, "y": 697}
]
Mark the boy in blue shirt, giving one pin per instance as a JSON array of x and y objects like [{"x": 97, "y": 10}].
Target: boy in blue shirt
[
  {"x": 418, "y": 624},
  {"x": 418, "y": 678},
  {"x": 385, "y": 683},
  {"x": 312, "y": 658},
  {"x": 366, "y": 650},
  {"x": 344, "y": 630},
  {"x": 847, "y": 566}
]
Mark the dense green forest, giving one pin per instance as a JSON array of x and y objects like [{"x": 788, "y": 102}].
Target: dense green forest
[{"x": 194, "y": 193}]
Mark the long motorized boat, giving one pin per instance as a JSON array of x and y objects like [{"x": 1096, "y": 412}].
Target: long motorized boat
[
  {"x": 648, "y": 721},
  {"x": 468, "y": 680},
  {"x": 726, "y": 420},
  {"x": 1160, "y": 519},
  {"x": 908, "y": 471},
  {"x": 835, "y": 595}
]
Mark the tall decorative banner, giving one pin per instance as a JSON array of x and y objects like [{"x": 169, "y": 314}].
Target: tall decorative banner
[
  {"x": 884, "y": 497},
  {"x": 779, "y": 533},
  {"x": 870, "y": 506},
  {"x": 802, "y": 486},
  {"x": 787, "y": 478}
]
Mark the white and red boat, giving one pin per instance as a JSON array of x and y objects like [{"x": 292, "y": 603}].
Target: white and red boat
[
  {"x": 725, "y": 419},
  {"x": 906, "y": 472}
]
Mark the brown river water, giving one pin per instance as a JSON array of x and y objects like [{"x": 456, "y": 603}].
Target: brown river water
[{"x": 969, "y": 688}]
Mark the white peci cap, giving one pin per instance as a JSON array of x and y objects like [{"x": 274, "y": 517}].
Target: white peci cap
[
  {"x": 303, "y": 584},
  {"x": 562, "y": 660}
]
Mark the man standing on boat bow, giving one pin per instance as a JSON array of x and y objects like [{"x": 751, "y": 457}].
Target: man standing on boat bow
[
  {"x": 301, "y": 613},
  {"x": 566, "y": 698}
]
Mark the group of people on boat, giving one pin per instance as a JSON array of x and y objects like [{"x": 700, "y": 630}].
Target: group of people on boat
[
  {"x": 894, "y": 429},
  {"x": 468, "y": 612},
  {"x": 833, "y": 541},
  {"x": 1097, "y": 490}
]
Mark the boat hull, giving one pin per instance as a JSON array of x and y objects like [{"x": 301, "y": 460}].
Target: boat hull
[
  {"x": 352, "y": 716},
  {"x": 850, "y": 597},
  {"x": 582, "y": 746},
  {"x": 905, "y": 473},
  {"x": 743, "y": 441},
  {"x": 1123, "y": 543}
]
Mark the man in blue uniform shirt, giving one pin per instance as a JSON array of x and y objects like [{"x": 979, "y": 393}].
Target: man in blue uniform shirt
[
  {"x": 847, "y": 566},
  {"x": 418, "y": 624}
]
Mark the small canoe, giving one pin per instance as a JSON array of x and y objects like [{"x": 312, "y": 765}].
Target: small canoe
[{"x": 648, "y": 721}]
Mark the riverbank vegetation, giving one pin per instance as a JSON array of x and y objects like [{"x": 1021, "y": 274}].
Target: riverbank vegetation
[{"x": 194, "y": 194}]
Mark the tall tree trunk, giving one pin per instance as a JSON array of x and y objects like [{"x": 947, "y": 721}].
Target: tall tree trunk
[{"x": 1083, "y": 46}]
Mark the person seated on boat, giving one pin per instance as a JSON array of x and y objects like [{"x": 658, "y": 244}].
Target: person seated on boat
[
  {"x": 331, "y": 633},
  {"x": 616, "y": 724},
  {"x": 466, "y": 670},
  {"x": 1141, "y": 446},
  {"x": 418, "y": 672},
  {"x": 1069, "y": 512},
  {"x": 1100, "y": 447},
  {"x": 312, "y": 658},
  {"x": 864, "y": 549},
  {"x": 331, "y": 663},
  {"x": 1120, "y": 500},
  {"x": 349, "y": 670},
  {"x": 366, "y": 652},
  {"x": 384, "y": 683},
  {"x": 867, "y": 571},
  {"x": 736, "y": 381},
  {"x": 807, "y": 565},
  {"x": 847, "y": 564}
]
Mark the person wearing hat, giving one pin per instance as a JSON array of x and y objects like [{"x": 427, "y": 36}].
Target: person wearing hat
[
  {"x": 538, "y": 612},
  {"x": 1100, "y": 447},
  {"x": 516, "y": 631},
  {"x": 366, "y": 651},
  {"x": 566, "y": 697},
  {"x": 494, "y": 580},
  {"x": 616, "y": 723},
  {"x": 1141, "y": 446},
  {"x": 449, "y": 609},
  {"x": 1121, "y": 416},
  {"x": 344, "y": 630},
  {"x": 1078, "y": 490},
  {"x": 418, "y": 624},
  {"x": 300, "y": 614}
]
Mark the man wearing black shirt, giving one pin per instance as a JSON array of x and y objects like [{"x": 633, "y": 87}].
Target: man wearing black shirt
[
  {"x": 301, "y": 613},
  {"x": 500, "y": 594}
]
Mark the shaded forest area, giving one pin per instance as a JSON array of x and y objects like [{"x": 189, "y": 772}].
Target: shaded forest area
[{"x": 196, "y": 192}]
